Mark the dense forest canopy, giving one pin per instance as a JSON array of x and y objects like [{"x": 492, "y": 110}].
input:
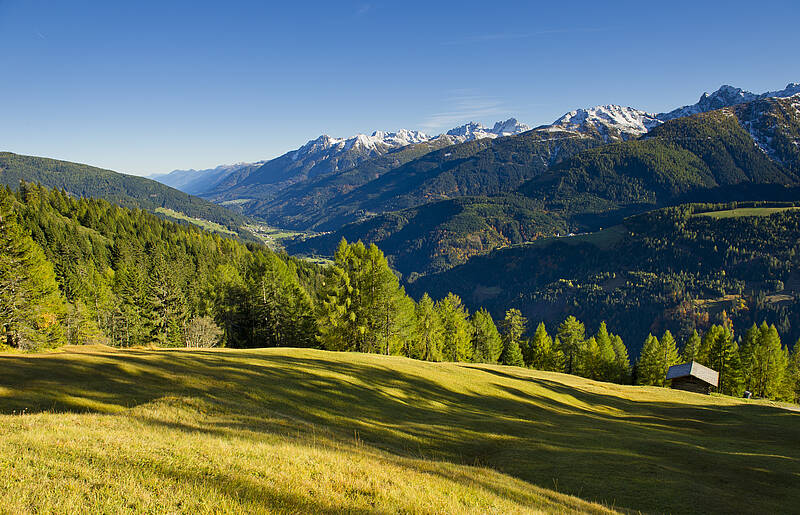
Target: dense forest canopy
[
  {"x": 131, "y": 191},
  {"x": 84, "y": 270}
]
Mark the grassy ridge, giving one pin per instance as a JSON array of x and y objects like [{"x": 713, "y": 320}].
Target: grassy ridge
[{"x": 302, "y": 430}]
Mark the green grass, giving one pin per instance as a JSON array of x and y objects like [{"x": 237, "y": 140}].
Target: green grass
[
  {"x": 287, "y": 430},
  {"x": 603, "y": 239},
  {"x": 272, "y": 237},
  {"x": 746, "y": 211},
  {"x": 205, "y": 224}
]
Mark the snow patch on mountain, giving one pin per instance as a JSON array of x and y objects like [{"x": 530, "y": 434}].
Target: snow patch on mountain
[
  {"x": 474, "y": 130},
  {"x": 727, "y": 96},
  {"x": 377, "y": 143},
  {"x": 613, "y": 122}
]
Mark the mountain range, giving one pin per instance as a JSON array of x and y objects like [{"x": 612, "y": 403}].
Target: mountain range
[{"x": 484, "y": 211}]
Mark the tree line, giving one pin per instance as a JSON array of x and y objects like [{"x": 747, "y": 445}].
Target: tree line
[
  {"x": 756, "y": 362},
  {"x": 86, "y": 271}
]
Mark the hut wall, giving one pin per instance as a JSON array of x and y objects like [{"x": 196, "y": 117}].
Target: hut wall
[{"x": 691, "y": 384}]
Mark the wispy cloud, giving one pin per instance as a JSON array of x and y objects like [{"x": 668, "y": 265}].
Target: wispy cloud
[
  {"x": 363, "y": 9},
  {"x": 507, "y": 36},
  {"x": 464, "y": 106}
]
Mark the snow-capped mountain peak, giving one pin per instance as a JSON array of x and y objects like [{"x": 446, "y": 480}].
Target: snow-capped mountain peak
[
  {"x": 475, "y": 130},
  {"x": 611, "y": 121},
  {"x": 727, "y": 96}
]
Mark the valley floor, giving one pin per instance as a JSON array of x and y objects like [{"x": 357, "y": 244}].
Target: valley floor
[{"x": 291, "y": 430}]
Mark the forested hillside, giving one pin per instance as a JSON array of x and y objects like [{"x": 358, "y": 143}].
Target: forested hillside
[
  {"x": 483, "y": 167},
  {"x": 670, "y": 269},
  {"x": 439, "y": 235},
  {"x": 709, "y": 157},
  {"x": 86, "y": 271},
  {"x": 81, "y": 180}
]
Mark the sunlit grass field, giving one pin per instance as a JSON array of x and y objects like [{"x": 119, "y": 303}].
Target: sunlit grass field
[
  {"x": 288, "y": 430},
  {"x": 746, "y": 211}
]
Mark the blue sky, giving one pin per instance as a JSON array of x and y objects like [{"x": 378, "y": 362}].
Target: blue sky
[{"x": 145, "y": 87}]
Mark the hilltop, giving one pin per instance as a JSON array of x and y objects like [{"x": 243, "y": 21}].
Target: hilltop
[{"x": 290, "y": 430}]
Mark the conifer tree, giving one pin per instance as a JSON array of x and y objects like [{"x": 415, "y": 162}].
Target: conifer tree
[
  {"x": 545, "y": 353},
  {"x": 487, "y": 343},
  {"x": 513, "y": 330},
  {"x": 691, "y": 348},
  {"x": 720, "y": 352},
  {"x": 622, "y": 362},
  {"x": 604, "y": 358},
  {"x": 792, "y": 385},
  {"x": 429, "y": 331},
  {"x": 31, "y": 307},
  {"x": 649, "y": 369},
  {"x": 572, "y": 338},
  {"x": 764, "y": 362},
  {"x": 457, "y": 343}
]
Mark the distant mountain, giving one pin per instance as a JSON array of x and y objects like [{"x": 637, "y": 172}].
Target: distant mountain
[
  {"x": 727, "y": 96},
  {"x": 319, "y": 157},
  {"x": 125, "y": 190},
  {"x": 198, "y": 181},
  {"x": 611, "y": 122},
  {"x": 473, "y": 130},
  {"x": 714, "y": 156}
]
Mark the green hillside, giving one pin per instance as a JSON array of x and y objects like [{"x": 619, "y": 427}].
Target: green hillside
[
  {"x": 709, "y": 157},
  {"x": 302, "y": 205},
  {"x": 667, "y": 269},
  {"x": 440, "y": 235},
  {"x": 287, "y": 430},
  {"x": 125, "y": 190}
]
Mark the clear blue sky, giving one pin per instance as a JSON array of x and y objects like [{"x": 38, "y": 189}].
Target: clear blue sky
[{"x": 143, "y": 87}]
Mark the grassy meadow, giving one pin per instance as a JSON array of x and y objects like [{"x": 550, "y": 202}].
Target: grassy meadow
[
  {"x": 289, "y": 430},
  {"x": 746, "y": 211}
]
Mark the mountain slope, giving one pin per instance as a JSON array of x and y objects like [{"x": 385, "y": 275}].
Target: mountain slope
[
  {"x": 482, "y": 167},
  {"x": 125, "y": 190},
  {"x": 439, "y": 235},
  {"x": 705, "y": 157},
  {"x": 680, "y": 159},
  {"x": 324, "y": 432},
  {"x": 196, "y": 182},
  {"x": 727, "y": 96},
  {"x": 668, "y": 269}
]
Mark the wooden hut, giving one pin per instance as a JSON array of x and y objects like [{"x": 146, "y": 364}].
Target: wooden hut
[{"x": 693, "y": 377}]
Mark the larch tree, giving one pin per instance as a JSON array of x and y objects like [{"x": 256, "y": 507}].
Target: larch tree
[
  {"x": 457, "y": 332},
  {"x": 545, "y": 354},
  {"x": 513, "y": 331},
  {"x": 487, "y": 344},
  {"x": 572, "y": 337},
  {"x": 31, "y": 307},
  {"x": 429, "y": 332}
]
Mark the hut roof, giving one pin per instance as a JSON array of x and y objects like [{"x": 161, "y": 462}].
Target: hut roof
[{"x": 694, "y": 369}]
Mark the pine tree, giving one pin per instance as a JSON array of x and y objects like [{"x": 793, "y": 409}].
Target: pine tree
[
  {"x": 545, "y": 353},
  {"x": 649, "y": 369},
  {"x": 571, "y": 335},
  {"x": 792, "y": 384},
  {"x": 457, "y": 344},
  {"x": 604, "y": 358},
  {"x": 31, "y": 307},
  {"x": 513, "y": 330},
  {"x": 720, "y": 352},
  {"x": 764, "y": 362},
  {"x": 429, "y": 331},
  {"x": 691, "y": 348},
  {"x": 622, "y": 364},
  {"x": 487, "y": 343}
]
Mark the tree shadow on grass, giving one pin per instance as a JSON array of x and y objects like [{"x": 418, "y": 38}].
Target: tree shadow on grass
[{"x": 598, "y": 445}]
